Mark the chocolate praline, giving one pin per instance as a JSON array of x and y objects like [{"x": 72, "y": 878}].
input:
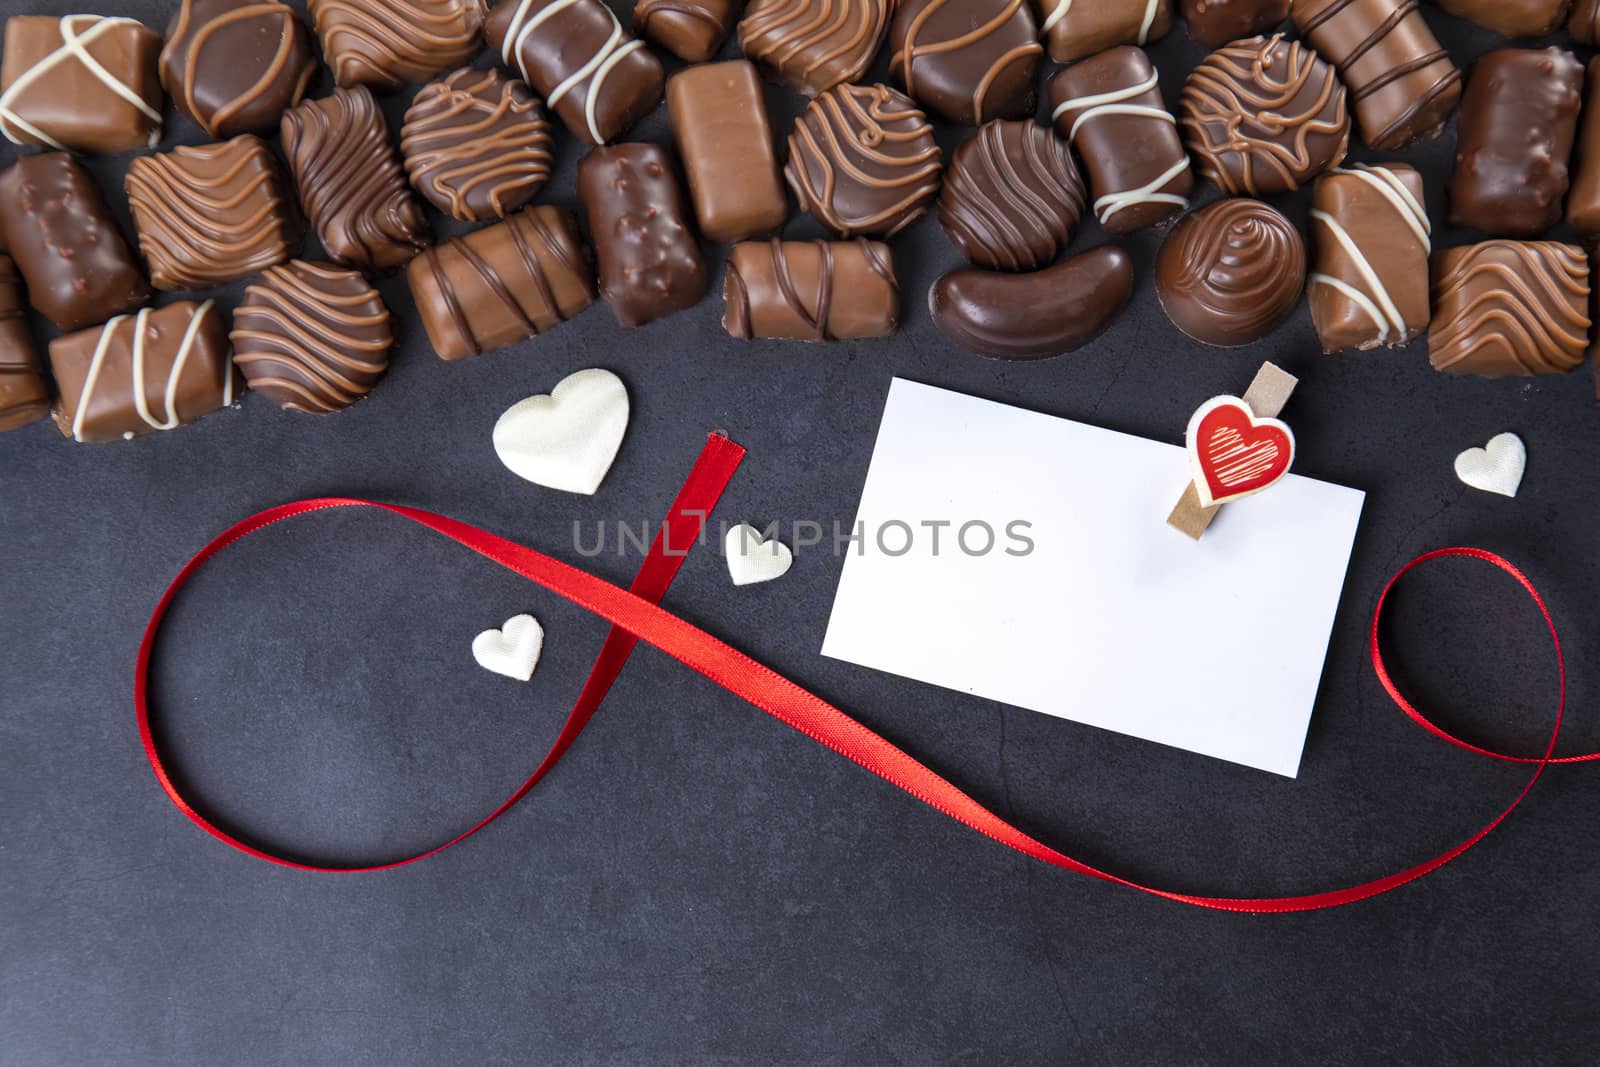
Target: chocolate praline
[
  {"x": 967, "y": 61},
  {"x": 235, "y": 67},
  {"x": 1012, "y": 196},
  {"x": 1230, "y": 272},
  {"x": 1033, "y": 316}
]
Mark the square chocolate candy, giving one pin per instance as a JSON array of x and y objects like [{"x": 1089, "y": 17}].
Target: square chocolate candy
[{"x": 81, "y": 82}]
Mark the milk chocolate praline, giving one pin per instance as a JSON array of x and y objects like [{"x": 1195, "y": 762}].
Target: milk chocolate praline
[
  {"x": 235, "y": 66},
  {"x": 1230, "y": 272},
  {"x": 1012, "y": 197}
]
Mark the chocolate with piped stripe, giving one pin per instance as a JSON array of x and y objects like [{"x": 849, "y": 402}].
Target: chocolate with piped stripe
[
  {"x": 1012, "y": 197},
  {"x": 810, "y": 290}
]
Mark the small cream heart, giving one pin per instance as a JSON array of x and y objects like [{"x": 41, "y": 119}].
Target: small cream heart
[
  {"x": 568, "y": 439},
  {"x": 512, "y": 650},
  {"x": 1495, "y": 468},
  {"x": 752, "y": 559}
]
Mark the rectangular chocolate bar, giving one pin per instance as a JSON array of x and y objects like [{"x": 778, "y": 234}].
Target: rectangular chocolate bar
[
  {"x": 1370, "y": 230},
  {"x": 692, "y": 30},
  {"x": 23, "y": 396},
  {"x": 75, "y": 260},
  {"x": 719, "y": 119},
  {"x": 1519, "y": 116},
  {"x": 503, "y": 284},
  {"x": 810, "y": 290},
  {"x": 650, "y": 264},
  {"x": 1076, "y": 29},
  {"x": 81, "y": 82},
  {"x": 1110, "y": 109},
  {"x": 155, "y": 370},
  {"x": 1510, "y": 308},
  {"x": 1583, "y": 202},
  {"x": 211, "y": 215}
]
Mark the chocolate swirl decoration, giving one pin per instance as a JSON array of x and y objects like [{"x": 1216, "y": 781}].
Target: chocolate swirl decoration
[
  {"x": 1510, "y": 308},
  {"x": 311, "y": 337},
  {"x": 863, "y": 160},
  {"x": 810, "y": 290},
  {"x": 476, "y": 145},
  {"x": 1012, "y": 197},
  {"x": 814, "y": 45},
  {"x": 23, "y": 396},
  {"x": 967, "y": 60},
  {"x": 210, "y": 215},
  {"x": 390, "y": 43},
  {"x": 225, "y": 72},
  {"x": 1230, "y": 272},
  {"x": 350, "y": 181},
  {"x": 1264, "y": 115}
]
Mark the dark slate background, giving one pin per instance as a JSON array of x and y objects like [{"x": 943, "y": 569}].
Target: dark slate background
[{"x": 696, "y": 883}]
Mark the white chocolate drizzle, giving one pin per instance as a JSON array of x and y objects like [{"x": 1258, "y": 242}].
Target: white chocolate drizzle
[
  {"x": 73, "y": 45},
  {"x": 607, "y": 56},
  {"x": 1380, "y": 305},
  {"x": 1114, "y": 102},
  {"x": 136, "y": 371},
  {"x": 1064, "y": 8}
]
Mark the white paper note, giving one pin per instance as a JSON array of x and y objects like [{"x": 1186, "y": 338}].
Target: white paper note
[{"x": 1113, "y": 618}]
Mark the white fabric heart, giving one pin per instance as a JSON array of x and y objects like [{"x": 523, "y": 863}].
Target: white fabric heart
[
  {"x": 751, "y": 559},
  {"x": 512, "y": 650},
  {"x": 568, "y": 439},
  {"x": 1495, "y": 468}
]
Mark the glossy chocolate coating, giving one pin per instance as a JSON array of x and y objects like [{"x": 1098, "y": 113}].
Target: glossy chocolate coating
[
  {"x": 1519, "y": 117},
  {"x": 1077, "y": 29},
  {"x": 1583, "y": 202},
  {"x": 211, "y": 215},
  {"x": 155, "y": 369},
  {"x": 1230, "y": 272},
  {"x": 1215, "y": 23},
  {"x": 720, "y": 123},
  {"x": 813, "y": 45},
  {"x": 1513, "y": 18},
  {"x": 1033, "y": 316},
  {"x": 1110, "y": 109},
  {"x": 1402, "y": 84},
  {"x": 75, "y": 260},
  {"x": 1585, "y": 22},
  {"x": 1264, "y": 115},
  {"x": 575, "y": 54},
  {"x": 49, "y": 96},
  {"x": 692, "y": 30},
  {"x": 967, "y": 61},
  {"x": 476, "y": 144},
  {"x": 862, "y": 159},
  {"x": 390, "y": 43},
  {"x": 350, "y": 181},
  {"x": 1510, "y": 308},
  {"x": 23, "y": 396},
  {"x": 650, "y": 265},
  {"x": 1012, "y": 197},
  {"x": 235, "y": 66},
  {"x": 1370, "y": 231},
  {"x": 503, "y": 284},
  {"x": 810, "y": 290},
  {"x": 312, "y": 337}
]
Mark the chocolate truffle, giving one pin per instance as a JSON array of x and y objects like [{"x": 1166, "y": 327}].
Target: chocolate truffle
[
  {"x": 80, "y": 82},
  {"x": 1402, "y": 84},
  {"x": 1371, "y": 234},
  {"x": 350, "y": 181},
  {"x": 503, "y": 284},
  {"x": 211, "y": 215},
  {"x": 692, "y": 30},
  {"x": 1583, "y": 205},
  {"x": 1077, "y": 29},
  {"x": 862, "y": 159},
  {"x": 1110, "y": 109},
  {"x": 1214, "y": 23},
  {"x": 235, "y": 66},
  {"x": 23, "y": 396},
  {"x": 390, "y": 43},
  {"x": 1012, "y": 198},
  {"x": 1033, "y": 316},
  {"x": 78, "y": 267},
  {"x": 1585, "y": 22},
  {"x": 650, "y": 265},
  {"x": 967, "y": 60},
  {"x": 1230, "y": 272},
  {"x": 810, "y": 290},
  {"x": 813, "y": 45},
  {"x": 1513, "y": 18},
  {"x": 311, "y": 337},
  {"x": 1264, "y": 115},
  {"x": 1519, "y": 116},
  {"x": 155, "y": 370},
  {"x": 476, "y": 145},
  {"x": 720, "y": 123},
  {"x": 1510, "y": 308},
  {"x": 575, "y": 54}
]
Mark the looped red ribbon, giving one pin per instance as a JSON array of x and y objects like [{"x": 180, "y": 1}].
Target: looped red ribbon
[{"x": 635, "y": 616}]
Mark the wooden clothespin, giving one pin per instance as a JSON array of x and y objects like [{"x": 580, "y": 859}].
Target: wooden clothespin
[{"x": 1236, "y": 448}]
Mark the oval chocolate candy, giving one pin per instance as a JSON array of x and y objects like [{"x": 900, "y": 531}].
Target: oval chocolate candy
[{"x": 1033, "y": 316}]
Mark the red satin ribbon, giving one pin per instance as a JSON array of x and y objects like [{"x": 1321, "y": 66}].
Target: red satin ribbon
[{"x": 636, "y": 616}]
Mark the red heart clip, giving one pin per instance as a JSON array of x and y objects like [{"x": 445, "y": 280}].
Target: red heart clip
[{"x": 1235, "y": 454}]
